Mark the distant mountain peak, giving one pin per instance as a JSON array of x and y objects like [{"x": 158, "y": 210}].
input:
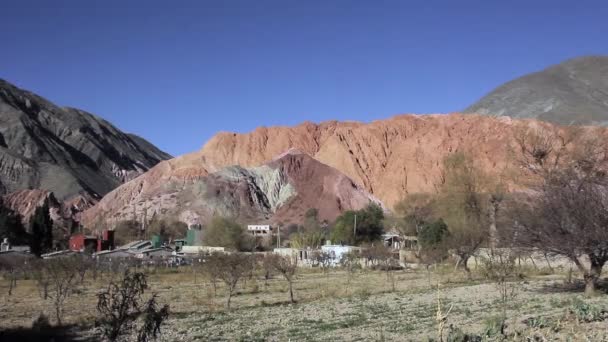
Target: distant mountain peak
[
  {"x": 572, "y": 92},
  {"x": 64, "y": 150}
]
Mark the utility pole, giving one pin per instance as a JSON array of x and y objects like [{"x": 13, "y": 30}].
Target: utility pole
[
  {"x": 279, "y": 236},
  {"x": 355, "y": 228}
]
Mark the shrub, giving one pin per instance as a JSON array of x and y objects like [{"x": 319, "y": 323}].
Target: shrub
[
  {"x": 585, "y": 312},
  {"x": 455, "y": 334},
  {"x": 120, "y": 305},
  {"x": 495, "y": 326},
  {"x": 41, "y": 323},
  {"x": 536, "y": 322}
]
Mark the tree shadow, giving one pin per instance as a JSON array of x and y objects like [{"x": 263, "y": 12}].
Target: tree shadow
[
  {"x": 576, "y": 286},
  {"x": 51, "y": 333}
]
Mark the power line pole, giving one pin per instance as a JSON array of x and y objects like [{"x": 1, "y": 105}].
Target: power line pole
[
  {"x": 278, "y": 236},
  {"x": 355, "y": 228}
]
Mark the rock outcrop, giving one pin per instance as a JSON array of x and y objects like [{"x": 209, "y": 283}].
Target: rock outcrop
[
  {"x": 65, "y": 215},
  {"x": 387, "y": 158},
  {"x": 280, "y": 190},
  {"x": 572, "y": 92},
  {"x": 66, "y": 151}
]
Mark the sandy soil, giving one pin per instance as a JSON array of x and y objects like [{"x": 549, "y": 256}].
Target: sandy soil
[{"x": 336, "y": 306}]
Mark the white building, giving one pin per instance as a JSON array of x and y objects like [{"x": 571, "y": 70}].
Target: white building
[
  {"x": 259, "y": 229},
  {"x": 337, "y": 251},
  {"x": 195, "y": 250}
]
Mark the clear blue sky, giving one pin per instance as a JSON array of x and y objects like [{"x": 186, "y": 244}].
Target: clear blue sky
[{"x": 176, "y": 72}]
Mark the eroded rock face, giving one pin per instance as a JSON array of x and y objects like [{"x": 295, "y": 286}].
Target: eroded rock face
[
  {"x": 281, "y": 190},
  {"x": 386, "y": 158},
  {"x": 64, "y": 150},
  {"x": 65, "y": 214}
]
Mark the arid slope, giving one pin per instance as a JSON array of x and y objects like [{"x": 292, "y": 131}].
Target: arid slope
[
  {"x": 280, "y": 190},
  {"x": 388, "y": 158}
]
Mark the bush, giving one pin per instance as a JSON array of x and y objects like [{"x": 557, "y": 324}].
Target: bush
[
  {"x": 431, "y": 235},
  {"x": 41, "y": 323},
  {"x": 536, "y": 322},
  {"x": 585, "y": 312},
  {"x": 495, "y": 326},
  {"x": 455, "y": 334},
  {"x": 120, "y": 305}
]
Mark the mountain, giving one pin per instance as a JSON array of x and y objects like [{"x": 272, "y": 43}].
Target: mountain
[
  {"x": 282, "y": 189},
  {"x": 66, "y": 151},
  {"x": 387, "y": 158},
  {"x": 572, "y": 92}
]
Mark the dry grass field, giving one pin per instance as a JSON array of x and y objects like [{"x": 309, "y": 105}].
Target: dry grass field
[{"x": 337, "y": 306}]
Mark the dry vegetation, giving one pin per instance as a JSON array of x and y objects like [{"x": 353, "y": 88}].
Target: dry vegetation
[{"x": 344, "y": 306}]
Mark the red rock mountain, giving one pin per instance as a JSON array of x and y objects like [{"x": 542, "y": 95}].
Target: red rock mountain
[
  {"x": 280, "y": 190},
  {"x": 388, "y": 158}
]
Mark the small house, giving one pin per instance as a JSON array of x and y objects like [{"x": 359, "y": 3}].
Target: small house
[
  {"x": 336, "y": 252},
  {"x": 303, "y": 257},
  {"x": 259, "y": 230},
  {"x": 391, "y": 240}
]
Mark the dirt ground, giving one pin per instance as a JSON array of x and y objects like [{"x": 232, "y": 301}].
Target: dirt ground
[{"x": 337, "y": 306}]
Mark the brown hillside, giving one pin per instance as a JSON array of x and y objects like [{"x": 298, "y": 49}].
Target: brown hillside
[
  {"x": 389, "y": 158},
  {"x": 281, "y": 190}
]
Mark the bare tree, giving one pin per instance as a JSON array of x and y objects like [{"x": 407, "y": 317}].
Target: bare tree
[
  {"x": 121, "y": 304},
  {"x": 323, "y": 259},
  {"x": 567, "y": 213},
  {"x": 83, "y": 264},
  {"x": 268, "y": 268},
  {"x": 416, "y": 210},
  {"x": 61, "y": 274},
  {"x": 211, "y": 269},
  {"x": 500, "y": 267},
  {"x": 350, "y": 262},
  {"x": 287, "y": 267},
  {"x": 118, "y": 305},
  {"x": 153, "y": 318},
  {"x": 382, "y": 257},
  {"x": 12, "y": 269},
  {"x": 40, "y": 275},
  {"x": 230, "y": 269}
]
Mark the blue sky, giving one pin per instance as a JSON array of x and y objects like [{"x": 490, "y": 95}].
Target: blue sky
[{"x": 176, "y": 72}]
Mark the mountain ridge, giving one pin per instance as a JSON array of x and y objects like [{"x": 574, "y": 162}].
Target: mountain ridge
[
  {"x": 386, "y": 158},
  {"x": 572, "y": 92},
  {"x": 65, "y": 150}
]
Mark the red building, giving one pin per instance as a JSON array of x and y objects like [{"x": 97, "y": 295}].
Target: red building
[{"x": 81, "y": 242}]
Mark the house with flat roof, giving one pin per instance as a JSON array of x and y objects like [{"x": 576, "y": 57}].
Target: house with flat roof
[
  {"x": 259, "y": 229},
  {"x": 336, "y": 252}
]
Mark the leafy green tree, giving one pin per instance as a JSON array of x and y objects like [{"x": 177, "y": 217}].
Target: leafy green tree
[
  {"x": 369, "y": 225},
  {"x": 11, "y": 226},
  {"x": 167, "y": 229},
  {"x": 463, "y": 203},
  {"x": 224, "y": 232},
  {"x": 42, "y": 230},
  {"x": 311, "y": 220},
  {"x": 433, "y": 234}
]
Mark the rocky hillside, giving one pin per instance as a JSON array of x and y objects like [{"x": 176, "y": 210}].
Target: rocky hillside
[
  {"x": 387, "y": 158},
  {"x": 63, "y": 150},
  {"x": 279, "y": 190},
  {"x": 572, "y": 92}
]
